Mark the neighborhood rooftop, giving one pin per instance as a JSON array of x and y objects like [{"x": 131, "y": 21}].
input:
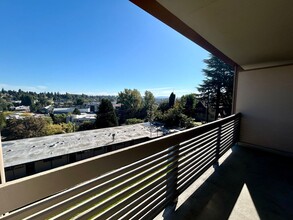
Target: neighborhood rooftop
[{"x": 34, "y": 149}]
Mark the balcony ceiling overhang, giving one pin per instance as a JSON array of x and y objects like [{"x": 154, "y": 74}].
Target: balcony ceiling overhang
[{"x": 248, "y": 33}]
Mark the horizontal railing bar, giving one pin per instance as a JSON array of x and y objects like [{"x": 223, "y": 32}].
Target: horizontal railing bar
[
  {"x": 210, "y": 157},
  {"x": 227, "y": 131},
  {"x": 227, "y": 144},
  {"x": 228, "y": 123},
  {"x": 223, "y": 140},
  {"x": 197, "y": 162},
  {"x": 135, "y": 201},
  {"x": 195, "y": 173},
  {"x": 140, "y": 203},
  {"x": 230, "y": 138},
  {"x": 169, "y": 170},
  {"x": 69, "y": 194},
  {"x": 93, "y": 192},
  {"x": 159, "y": 193},
  {"x": 224, "y": 150},
  {"x": 194, "y": 158},
  {"x": 197, "y": 149},
  {"x": 151, "y": 205},
  {"x": 197, "y": 139},
  {"x": 228, "y": 128},
  {"x": 197, "y": 144},
  {"x": 156, "y": 209},
  {"x": 184, "y": 185},
  {"x": 107, "y": 202}
]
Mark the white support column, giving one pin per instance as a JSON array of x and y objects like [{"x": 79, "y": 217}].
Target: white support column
[{"x": 2, "y": 171}]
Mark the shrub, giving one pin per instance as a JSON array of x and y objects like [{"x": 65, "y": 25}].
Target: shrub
[{"x": 132, "y": 121}]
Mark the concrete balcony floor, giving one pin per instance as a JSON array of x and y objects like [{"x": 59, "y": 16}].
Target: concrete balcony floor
[{"x": 247, "y": 184}]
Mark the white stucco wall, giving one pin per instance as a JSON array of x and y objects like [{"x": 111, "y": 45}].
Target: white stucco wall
[{"x": 265, "y": 99}]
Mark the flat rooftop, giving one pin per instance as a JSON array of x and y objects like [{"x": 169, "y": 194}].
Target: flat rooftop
[{"x": 34, "y": 149}]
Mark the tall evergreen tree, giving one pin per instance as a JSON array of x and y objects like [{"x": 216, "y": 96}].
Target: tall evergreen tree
[
  {"x": 217, "y": 87},
  {"x": 171, "y": 100},
  {"x": 106, "y": 116}
]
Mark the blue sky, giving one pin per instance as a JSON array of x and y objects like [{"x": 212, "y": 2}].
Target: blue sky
[{"x": 93, "y": 47}]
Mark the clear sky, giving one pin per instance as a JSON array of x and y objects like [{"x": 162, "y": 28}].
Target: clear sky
[{"x": 93, "y": 47}]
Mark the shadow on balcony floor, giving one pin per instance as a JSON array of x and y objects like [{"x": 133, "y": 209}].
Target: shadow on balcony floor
[{"x": 248, "y": 184}]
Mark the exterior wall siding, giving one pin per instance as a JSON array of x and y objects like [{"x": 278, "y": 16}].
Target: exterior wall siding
[{"x": 264, "y": 97}]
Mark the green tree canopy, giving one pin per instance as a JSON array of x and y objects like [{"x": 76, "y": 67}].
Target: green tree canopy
[
  {"x": 58, "y": 118},
  {"x": 106, "y": 116},
  {"x": 163, "y": 106},
  {"x": 217, "y": 87},
  {"x": 76, "y": 112},
  {"x": 79, "y": 101},
  {"x": 131, "y": 104},
  {"x": 2, "y": 121},
  {"x": 149, "y": 105},
  {"x": 27, "y": 100},
  {"x": 25, "y": 128},
  {"x": 188, "y": 103}
]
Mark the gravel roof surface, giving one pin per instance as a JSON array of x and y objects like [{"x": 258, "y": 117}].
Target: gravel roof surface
[{"x": 33, "y": 149}]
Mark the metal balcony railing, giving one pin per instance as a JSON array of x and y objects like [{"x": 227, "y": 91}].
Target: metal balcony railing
[{"x": 131, "y": 183}]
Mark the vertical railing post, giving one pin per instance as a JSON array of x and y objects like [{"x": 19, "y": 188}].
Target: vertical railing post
[
  {"x": 237, "y": 129},
  {"x": 2, "y": 171},
  {"x": 172, "y": 176},
  {"x": 218, "y": 146}
]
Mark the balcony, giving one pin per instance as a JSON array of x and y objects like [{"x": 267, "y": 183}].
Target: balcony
[
  {"x": 248, "y": 184},
  {"x": 136, "y": 182}
]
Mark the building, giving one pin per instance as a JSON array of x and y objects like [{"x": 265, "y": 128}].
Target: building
[
  {"x": 142, "y": 180},
  {"x": 21, "y": 108},
  {"x": 83, "y": 117},
  {"x": 33, "y": 155},
  {"x": 69, "y": 110}
]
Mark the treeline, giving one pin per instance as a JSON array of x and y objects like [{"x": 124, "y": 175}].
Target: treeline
[
  {"x": 135, "y": 108},
  {"x": 214, "y": 100},
  {"x": 29, "y": 127},
  {"x": 172, "y": 112},
  {"x": 36, "y": 101}
]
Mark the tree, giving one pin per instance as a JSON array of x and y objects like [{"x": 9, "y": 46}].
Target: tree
[
  {"x": 175, "y": 118},
  {"x": 149, "y": 105},
  {"x": 76, "y": 112},
  {"x": 131, "y": 104},
  {"x": 27, "y": 100},
  {"x": 106, "y": 116},
  {"x": 79, "y": 101},
  {"x": 217, "y": 87},
  {"x": 86, "y": 125},
  {"x": 2, "y": 121},
  {"x": 188, "y": 103},
  {"x": 58, "y": 118},
  {"x": 25, "y": 128},
  {"x": 132, "y": 121},
  {"x": 163, "y": 106},
  {"x": 171, "y": 100},
  {"x": 4, "y": 105}
]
